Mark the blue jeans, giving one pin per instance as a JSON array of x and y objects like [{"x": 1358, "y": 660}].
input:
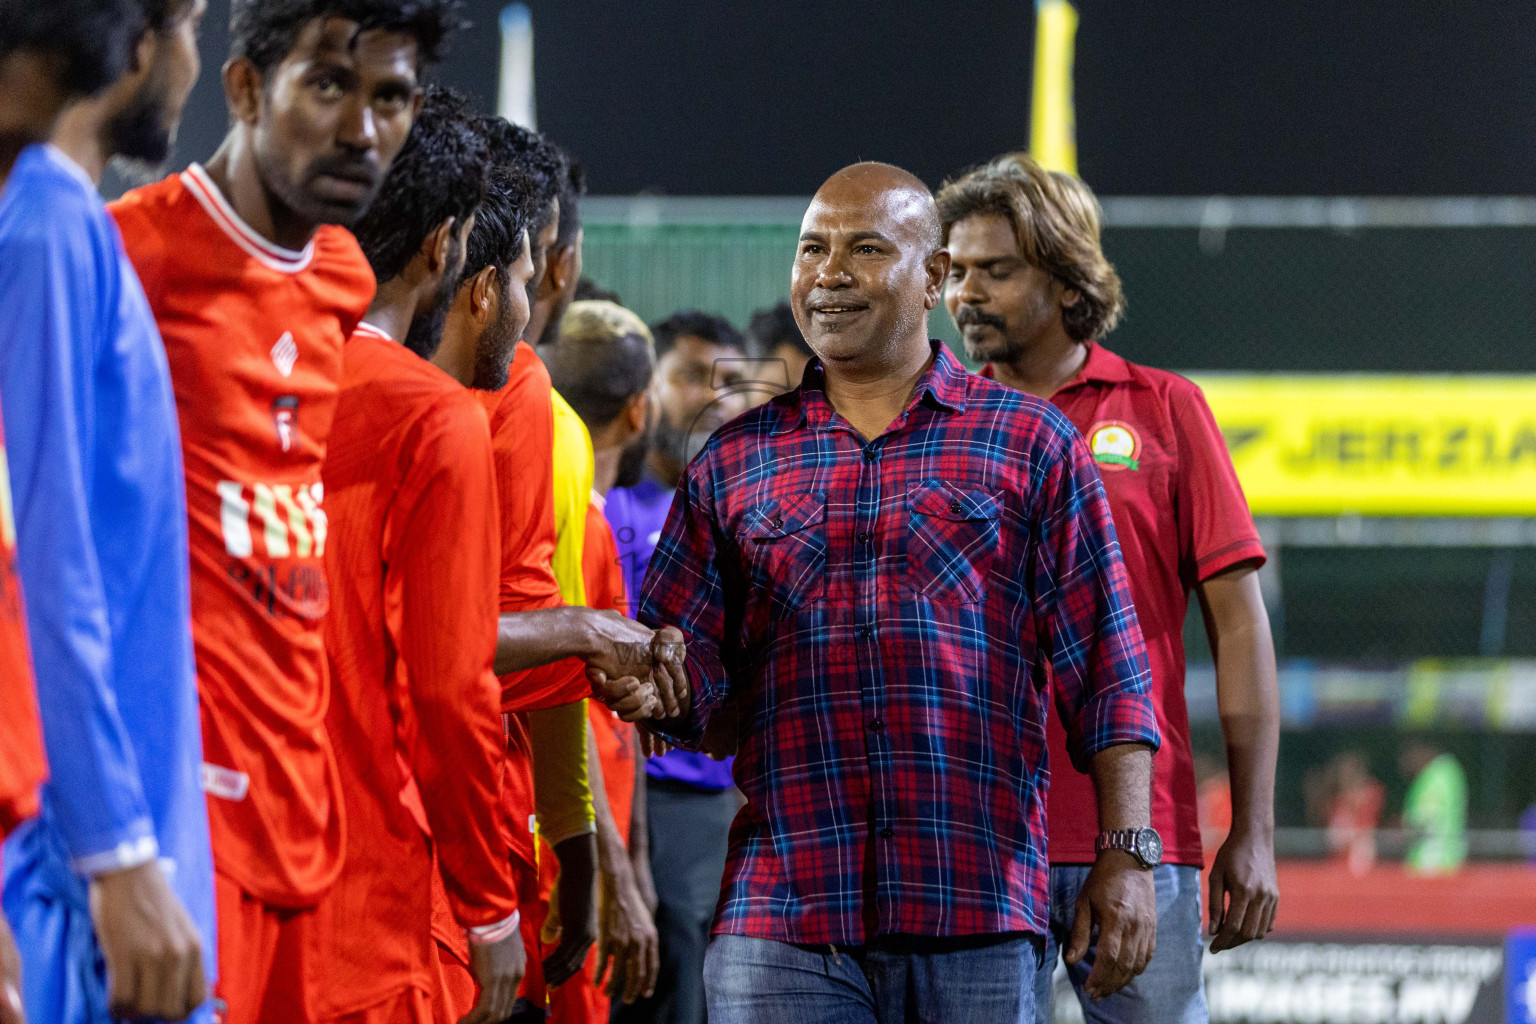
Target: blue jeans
[
  {"x": 894, "y": 980},
  {"x": 1170, "y": 990}
]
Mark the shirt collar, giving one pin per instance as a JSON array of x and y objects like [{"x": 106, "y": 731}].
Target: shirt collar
[
  {"x": 1102, "y": 367},
  {"x": 942, "y": 385}
]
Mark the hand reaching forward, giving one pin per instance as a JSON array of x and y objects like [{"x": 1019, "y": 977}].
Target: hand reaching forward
[{"x": 626, "y": 696}]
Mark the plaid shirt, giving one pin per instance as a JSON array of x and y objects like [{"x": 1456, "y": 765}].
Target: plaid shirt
[{"x": 888, "y": 618}]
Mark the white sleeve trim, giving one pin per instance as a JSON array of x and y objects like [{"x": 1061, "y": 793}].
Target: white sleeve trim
[
  {"x": 130, "y": 853},
  {"x": 486, "y": 934}
]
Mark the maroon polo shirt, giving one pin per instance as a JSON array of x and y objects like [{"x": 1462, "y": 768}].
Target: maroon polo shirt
[{"x": 1181, "y": 518}]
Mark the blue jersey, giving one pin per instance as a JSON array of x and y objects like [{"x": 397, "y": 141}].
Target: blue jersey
[{"x": 101, "y": 529}]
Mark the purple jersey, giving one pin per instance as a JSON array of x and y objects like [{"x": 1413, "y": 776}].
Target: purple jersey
[{"x": 637, "y": 515}]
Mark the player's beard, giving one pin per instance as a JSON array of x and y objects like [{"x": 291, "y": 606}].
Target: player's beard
[
  {"x": 493, "y": 353},
  {"x": 679, "y": 445},
  {"x": 139, "y": 138},
  {"x": 426, "y": 331},
  {"x": 632, "y": 462},
  {"x": 994, "y": 346}
]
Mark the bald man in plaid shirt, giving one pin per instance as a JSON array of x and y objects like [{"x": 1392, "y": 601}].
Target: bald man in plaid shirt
[{"x": 884, "y": 572}]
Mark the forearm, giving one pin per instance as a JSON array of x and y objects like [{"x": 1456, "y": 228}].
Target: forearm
[
  {"x": 532, "y": 639},
  {"x": 639, "y": 814},
  {"x": 1122, "y": 784},
  {"x": 611, "y": 853},
  {"x": 1247, "y": 697},
  {"x": 460, "y": 796},
  {"x": 1247, "y": 694}
]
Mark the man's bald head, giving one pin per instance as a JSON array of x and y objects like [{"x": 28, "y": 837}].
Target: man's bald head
[
  {"x": 870, "y": 266},
  {"x": 903, "y": 192}
]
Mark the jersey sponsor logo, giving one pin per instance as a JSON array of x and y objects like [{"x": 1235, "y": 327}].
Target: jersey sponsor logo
[
  {"x": 288, "y": 519},
  {"x": 1115, "y": 445},
  {"x": 225, "y": 783},
  {"x": 285, "y": 419},
  {"x": 285, "y": 353},
  {"x": 262, "y": 522}
]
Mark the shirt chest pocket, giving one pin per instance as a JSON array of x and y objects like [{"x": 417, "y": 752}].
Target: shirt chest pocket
[
  {"x": 785, "y": 544},
  {"x": 951, "y": 540}
]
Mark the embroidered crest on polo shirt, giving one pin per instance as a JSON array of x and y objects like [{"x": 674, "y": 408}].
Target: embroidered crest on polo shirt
[
  {"x": 285, "y": 353},
  {"x": 1115, "y": 445}
]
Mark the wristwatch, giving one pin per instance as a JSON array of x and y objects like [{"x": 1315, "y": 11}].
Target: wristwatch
[{"x": 1142, "y": 843}]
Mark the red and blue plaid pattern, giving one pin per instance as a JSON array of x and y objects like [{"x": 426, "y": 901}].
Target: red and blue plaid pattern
[{"x": 889, "y": 618}]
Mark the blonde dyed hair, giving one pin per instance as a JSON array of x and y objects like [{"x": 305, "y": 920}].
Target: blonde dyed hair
[
  {"x": 601, "y": 320},
  {"x": 1057, "y": 220}
]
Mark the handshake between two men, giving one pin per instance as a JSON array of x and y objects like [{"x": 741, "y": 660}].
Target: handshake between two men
[{"x": 636, "y": 671}]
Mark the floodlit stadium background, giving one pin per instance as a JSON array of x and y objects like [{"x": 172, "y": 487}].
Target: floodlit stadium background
[{"x": 1320, "y": 214}]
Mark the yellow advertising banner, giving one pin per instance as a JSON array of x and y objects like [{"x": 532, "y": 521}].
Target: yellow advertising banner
[{"x": 1337, "y": 444}]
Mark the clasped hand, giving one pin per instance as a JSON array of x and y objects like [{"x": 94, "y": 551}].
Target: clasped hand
[{"x": 639, "y": 673}]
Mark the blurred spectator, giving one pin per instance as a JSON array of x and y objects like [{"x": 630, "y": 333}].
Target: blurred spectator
[
  {"x": 1435, "y": 810},
  {"x": 775, "y": 338},
  {"x": 586, "y": 289},
  {"x": 1354, "y": 805}
]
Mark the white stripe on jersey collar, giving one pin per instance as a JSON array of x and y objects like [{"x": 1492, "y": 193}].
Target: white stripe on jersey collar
[
  {"x": 275, "y": 257},
  {"x": 364, "y": 327}
]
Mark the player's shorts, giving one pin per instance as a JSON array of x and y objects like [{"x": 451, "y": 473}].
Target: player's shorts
[
  {"x": 268, "y": 969},
  {"x": 413, "y": 1006}
]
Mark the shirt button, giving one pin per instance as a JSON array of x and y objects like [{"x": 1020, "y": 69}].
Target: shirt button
[
  {"x": 778, "y": 523},
  {"x": 865, "y": 538},
  {"x": 871, "y": 454},
  {"x": 865, "y": 632},
  {"x": 876, "y": 725},
  {"x": 955, "y": 507},
  {"x": 887, "y": 832}
]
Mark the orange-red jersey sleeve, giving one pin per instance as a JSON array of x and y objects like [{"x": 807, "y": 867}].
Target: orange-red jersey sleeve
[
  {"x": 441, "y": 545},
  {"x": 522, "y": 439}
]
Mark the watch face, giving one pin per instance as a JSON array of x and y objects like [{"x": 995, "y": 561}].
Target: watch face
[{"x": 1149, "y": 847}]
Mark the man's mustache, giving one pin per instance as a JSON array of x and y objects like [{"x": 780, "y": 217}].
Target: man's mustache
[{"x": 970, "y": 316}]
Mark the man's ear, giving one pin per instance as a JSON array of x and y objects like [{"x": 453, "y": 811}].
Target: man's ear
[
  {"x": 144, "y": 51},
  {"x": 558, "y": 270},
  {"x": 242, "y": 89},
  {"x": 937, "y": 269},
  {"x": 1069, "y": 296},
  {"x": 439, "y": 245},
  {"x": 484, "y": 295},
  {"x": 635, "y": 414}
]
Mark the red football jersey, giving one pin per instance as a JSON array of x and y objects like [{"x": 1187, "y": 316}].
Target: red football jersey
[
  {"x": 604, "y": 577},
  {"x": 1181, "y": 518},
  {"x": 522, "y": 436},
  {"x": 23, "y": 765},
  {"x": 411, "y": 636},
  {"x": 254, "y": 337}
]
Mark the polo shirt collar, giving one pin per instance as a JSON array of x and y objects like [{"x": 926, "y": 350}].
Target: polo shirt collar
[
  {"x": 943, "y": 386},
  {"x": 1101, "y": 367}
]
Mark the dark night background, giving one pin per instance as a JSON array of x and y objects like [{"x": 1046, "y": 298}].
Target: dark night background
[{"x": 1179, "y": 98}]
